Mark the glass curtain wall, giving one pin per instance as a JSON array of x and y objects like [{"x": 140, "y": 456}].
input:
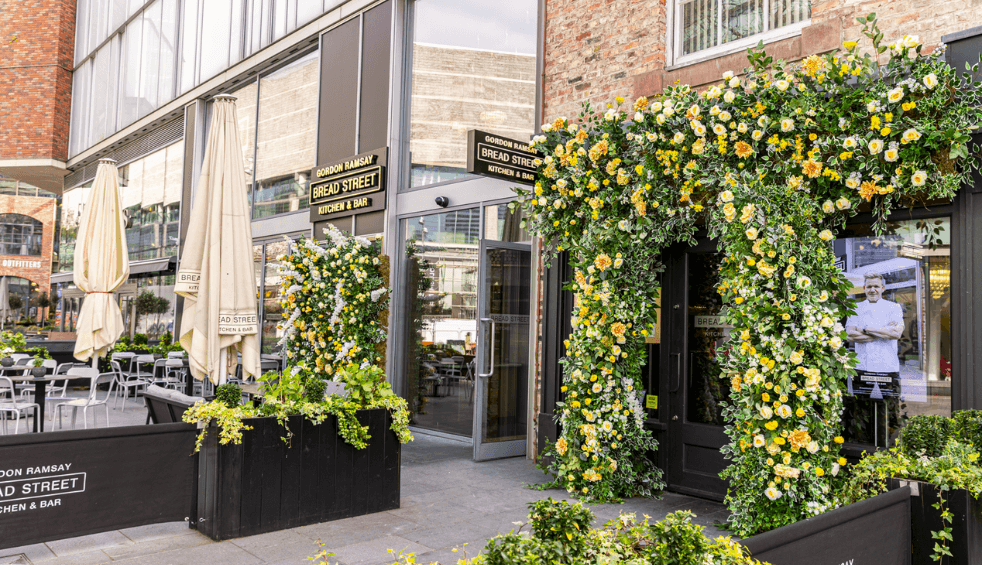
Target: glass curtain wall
[
  {"x": 133, "y": 56},
  {"x": 901, "y": 331},
  {"x": 473, "y": 68}
]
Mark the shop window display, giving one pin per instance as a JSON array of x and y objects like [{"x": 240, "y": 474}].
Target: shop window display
[{"x": 901, "y": 331}]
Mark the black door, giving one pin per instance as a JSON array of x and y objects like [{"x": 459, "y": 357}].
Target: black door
[{"x": 693, "y": 330}]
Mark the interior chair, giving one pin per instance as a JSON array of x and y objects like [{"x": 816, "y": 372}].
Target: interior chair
[{"x": 95, "y": 399}]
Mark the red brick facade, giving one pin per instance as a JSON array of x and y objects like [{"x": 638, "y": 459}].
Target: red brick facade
[
  {"x": 36, "y": 60},
  {"x": 599, "y": 49},
  {"x": 33, "y": 268}
]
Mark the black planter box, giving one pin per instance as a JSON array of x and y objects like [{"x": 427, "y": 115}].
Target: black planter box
[
  {"x": 966, "y": 524},
  {"x": 264, "y": 485},
  {"x": 875, "y": 530}
]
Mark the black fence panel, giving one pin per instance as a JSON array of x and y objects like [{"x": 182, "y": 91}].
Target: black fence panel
[{"x": 65, "y": 484}]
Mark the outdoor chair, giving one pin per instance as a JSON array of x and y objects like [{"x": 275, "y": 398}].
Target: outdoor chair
[
  {"x": 12, "y": 406},
  {"x": 17, "y": 357},
  {"x": 27, "y": 390},
  {"x": 139, "y": 364},
  {"x": 124, "y": 357},
  {"x": 125, "y": 382},
  {"x": 55, "y": 394},
  {"x": 94, "y": 399},
  {"x": 173, "y": 371},
  {"x": 165, "y": 406},
  {"x": 176, "y": 355}
]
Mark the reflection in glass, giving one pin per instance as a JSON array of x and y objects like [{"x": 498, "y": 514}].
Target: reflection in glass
[
  {"x": 150, "y": 192},
  {"x": 473, "y": 68},
  {"x": 707, "y": 332},
  {"x": 699, "y": 25},
  {"x": 901, "y": 331},
  {"x": 507, "y": 296},
  {"x": 245, "y": 112},
  {"x": 287, "y": 124},
  {"x": 502, "y": 224},
  {"x": 441, "y": 266},
  {"x": 20, "y": 235}
]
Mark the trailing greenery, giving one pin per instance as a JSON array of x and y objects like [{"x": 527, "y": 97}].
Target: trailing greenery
[{"x": 773, "y": 163}]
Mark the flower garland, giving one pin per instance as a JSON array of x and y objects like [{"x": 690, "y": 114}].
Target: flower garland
[
  {"x": 773, "y": 163},
  {"x": 338, "y": 303}
]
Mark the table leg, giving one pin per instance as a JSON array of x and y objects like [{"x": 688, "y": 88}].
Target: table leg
[
  {"x": 189, "y": 382},
  {"x": 39, "y": 390}
]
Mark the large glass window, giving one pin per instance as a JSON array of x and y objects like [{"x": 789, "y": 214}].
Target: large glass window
[
  {"x": 702, "y": 25},
  {"x": 473, "y": 68},
  {"x": 901, "y": 331},
  {"x": 71, "y": 214},
  {"x": 20, "y": 235},
  {"x": 285, "y": 133},
  {"x": 150, "y": 191}
]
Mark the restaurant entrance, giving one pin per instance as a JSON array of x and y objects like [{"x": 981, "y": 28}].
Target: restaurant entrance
[
  {"x": 694, "y": 329},
  {"x": 467, "y": 282}
]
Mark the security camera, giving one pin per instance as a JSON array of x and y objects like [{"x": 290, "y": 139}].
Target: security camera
[{"x": 442, "y": 201}]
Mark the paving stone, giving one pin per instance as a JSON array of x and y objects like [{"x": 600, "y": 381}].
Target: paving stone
[
  {"x": 223, "y": 553},
  {"x": 157, "y": 531},
  {"x": 356, "y": 530},
  {"x": 88, "y": 543},
  {"x": 96, "y": 557},
  {"x": 371, "y": 551},
  {"x": 33, "y": 553},
  {"x": 277, "y": 546},
  {"x": 14, "y": 560},
  {"x": 160, "y": 545}
]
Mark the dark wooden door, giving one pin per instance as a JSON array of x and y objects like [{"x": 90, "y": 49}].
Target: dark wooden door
[{"x": 694, "y": 331}]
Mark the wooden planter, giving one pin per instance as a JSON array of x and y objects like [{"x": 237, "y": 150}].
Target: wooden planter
[
  {"x": 264, "y": 485},
  {"x": 876, "y": 530},
  {"x": 966, "y": 524}
]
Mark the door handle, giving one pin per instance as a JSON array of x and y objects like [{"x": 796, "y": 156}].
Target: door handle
[
  {"x": 678, "y": 372},
  {"x": 491, "y": 372}
]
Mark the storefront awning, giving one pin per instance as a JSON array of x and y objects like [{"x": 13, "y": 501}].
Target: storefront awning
[{"x": 138, "y": 269}]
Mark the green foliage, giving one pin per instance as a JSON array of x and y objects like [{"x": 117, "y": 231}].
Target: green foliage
[
  {"x": 365, "y": 385},
  {"x": 40, "y": 354},
  {"x": 956, "y": 466},
  {"x": 11, "y": 342},
  {"x": 561, "y": 535},
  {"x": 926, "y": 434},
  {"x": 967, "y": 426},
  {"x": 314, "y": 388},
  {"x": 229, "y": 394},
  {"x": 16, "y": 303}
]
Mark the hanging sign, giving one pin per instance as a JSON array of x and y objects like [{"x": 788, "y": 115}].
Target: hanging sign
[
  {"x": 352, "y": 186},
  {"x": 491, "y": 155}
]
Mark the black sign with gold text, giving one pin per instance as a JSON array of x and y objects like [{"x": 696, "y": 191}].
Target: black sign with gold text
[
  {"x": 352, "y": 186},
  {"x": 491, "y": 155}
]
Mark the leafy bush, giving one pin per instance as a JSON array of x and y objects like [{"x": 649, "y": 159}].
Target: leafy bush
[
  {"x": 40, "y": 354},
  {"x": 365, "y": 385},
  {"x": 11, "y": 342},
  {"x": 229, "y": 394},
  {"x": 926, "y": 434},
  {"x": 314, "y": 389},
  {"x": 561, "y": 535},
  {"x": 140, "y": 339},
  {"x": 967, "y": 426}
]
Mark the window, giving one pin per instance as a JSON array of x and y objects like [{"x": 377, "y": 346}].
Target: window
[
  {"x": 473, "y": 68},
  {"x": 713, "y": 27},
  {"x": 901, "y": 332},
  {"x": 20, "y": 235}
]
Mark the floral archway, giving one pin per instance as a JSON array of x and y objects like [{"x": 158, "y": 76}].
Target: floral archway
[{"x": 772, "y": 164}]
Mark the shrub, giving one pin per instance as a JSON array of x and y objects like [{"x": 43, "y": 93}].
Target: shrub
[
  {"x": 313, "y": 388},
  {"x": 967, "y": 426},
  {"x": 927, "y": 434},
  {"x": 229, "y": 394}
]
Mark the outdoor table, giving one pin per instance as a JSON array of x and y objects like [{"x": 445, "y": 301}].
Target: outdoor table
[{"x": 39, "y": 390}]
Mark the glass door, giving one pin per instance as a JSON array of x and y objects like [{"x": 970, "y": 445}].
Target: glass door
[
  {"x": 501, "y": 384},
  {"x": 696, "y": 332}
]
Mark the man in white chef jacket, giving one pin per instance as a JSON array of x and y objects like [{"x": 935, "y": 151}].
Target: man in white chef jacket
[{"x": 875, "y": 329}]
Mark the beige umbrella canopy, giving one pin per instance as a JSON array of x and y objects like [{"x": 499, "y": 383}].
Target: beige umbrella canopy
[
  {"x": 101, "y": 265},
  {"x": 216, "y": 275}
]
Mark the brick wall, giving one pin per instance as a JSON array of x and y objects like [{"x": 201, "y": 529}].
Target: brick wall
[
  {"x": 599, "y": 49},
  {"x": 36, "y": 49},
  {"x": 596, "y": 48},
  {"x": 33, "y": 268}
]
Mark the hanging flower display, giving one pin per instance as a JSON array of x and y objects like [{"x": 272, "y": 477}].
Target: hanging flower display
[
  {"x": 337, "y": 301},
  {"x": 772, "y": 163}
]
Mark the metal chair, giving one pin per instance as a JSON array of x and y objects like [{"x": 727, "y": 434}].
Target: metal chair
[
  {"x": 173, "y": 370},
  {"x": 12, "y": 406},
  {"x": 176, "y": 355},
  {"x": 125, "y": 382},
  {"x": 93, "y": 400},
  {"x": 28, "y": 390},
  {"x": 124, "y": 357}
]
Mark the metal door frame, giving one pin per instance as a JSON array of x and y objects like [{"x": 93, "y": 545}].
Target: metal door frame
[{"x": 496, "y": 450}]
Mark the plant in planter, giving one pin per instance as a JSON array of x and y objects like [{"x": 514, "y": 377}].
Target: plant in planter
[
  {"x": 11, "y": 342},
  {"x": 40, "y": 354},
  {"x": 932, "y": 450}
]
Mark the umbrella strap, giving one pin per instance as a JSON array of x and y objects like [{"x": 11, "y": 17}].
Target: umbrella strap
[{"x": 100, "y": 292}]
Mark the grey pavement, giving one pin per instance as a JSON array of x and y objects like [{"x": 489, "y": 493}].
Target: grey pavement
[{"x": 448, "y": 501}]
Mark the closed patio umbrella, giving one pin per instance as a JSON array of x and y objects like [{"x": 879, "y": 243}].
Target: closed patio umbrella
[
  {"x": 216, "y": 275},
  {"x": 101, "y": 265},
  {"x": 4, "y": 301}
]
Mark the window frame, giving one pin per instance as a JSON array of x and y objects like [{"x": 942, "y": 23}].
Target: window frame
[{"x": 673, "y": 43}]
